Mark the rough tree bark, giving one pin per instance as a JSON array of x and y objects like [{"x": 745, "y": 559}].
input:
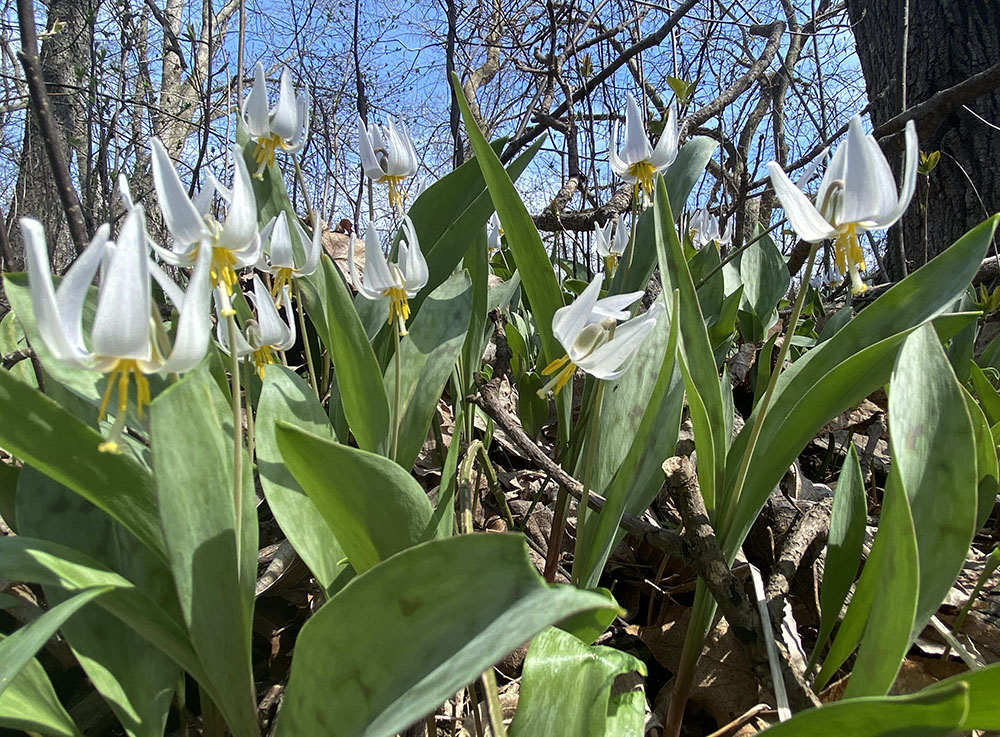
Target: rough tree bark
[
  {"x": 948, "y": 42},
  {"x": 62, "y": 56}
]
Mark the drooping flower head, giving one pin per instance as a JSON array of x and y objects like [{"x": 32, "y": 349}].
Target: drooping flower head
[
  {"x": 638, "y": 162},
  {"x": 387, "y": 156},
  {"x": 704, "y": 229},
  {"x": 279, "y": 257},
  {"x": 285, "y": 126},
  {"x": 398, "y": 281},
  {"x": 264, "y": 335},
  {"x": 234, "y": 244},
  {"x": 594, "y": 341},
  {"x": 611, "y": 240},
  {"x": 127, "y": 340},
  {"x": 494, "y": 233},
  {"x": 858, "y": 193}
]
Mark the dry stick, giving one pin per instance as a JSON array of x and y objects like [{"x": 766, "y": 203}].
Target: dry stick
[{"x": 42, "y": 110}]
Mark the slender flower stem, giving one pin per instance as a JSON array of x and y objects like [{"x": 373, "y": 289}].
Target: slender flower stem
[
  {"x": 237, "y": 430},
  {"x": 248, "y": 368},
  {"x": 305, "y": 338},
  {"x": 302, "y": 185},
  {"x": 631, "y": 235},
  {"x": 395, "y": 401},
  {"x": 588, "y": 468}
]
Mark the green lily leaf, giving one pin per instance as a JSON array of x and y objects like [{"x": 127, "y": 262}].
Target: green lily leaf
[{"x": 359, "y": 671}]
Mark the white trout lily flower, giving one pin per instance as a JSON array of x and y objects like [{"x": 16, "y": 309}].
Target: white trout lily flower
[
  {"x": 268, "y": 333},
  {"x": 611, "y": 242},
  {"x": 279, "y": 257},
  {"x": 234, "y": 245},
  {"x": 704, "y": 229},
  {"x": 285, "y": 126},
  {"x": 494, "y": 232},
  {"x": 398, "y": 281},
  {"x": 588, "y": 329},
  {"x": 638, "y": 162},
  {"x": 127, "y": 340},
  {"x": 387, "y": 156},
  {"x": 858, "y": 193}
]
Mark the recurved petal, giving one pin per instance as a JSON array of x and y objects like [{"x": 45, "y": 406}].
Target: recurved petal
[
  {"x": 43, "y": 298},
  {"x": 285, "y": 116},
  {"x": 909, "y": 177},
  {"x": 302, "y": 123},
  {"x": 805, "y": 218},
  {"x": 271, "y": 329},
  {"x": 618, "y": 166},
  {"x": 314, "y": 246},
  {"x": 73, "y": 289},
  {"x": 415, "y": 266},
  {"x": 609, "y": 361},
  {"x": 194, "y": 323},
  {"x": 666, "y": 147},
  {"x": 121, "y": 323},
  {"x": 864, "y": 178},
  {"x": 280, "y": 243},
  {"x": 637, "y": 146},
  {"x": 366, "y": 147},
  {"x": 616, "y": 306},
  {"x": 255, "y": 115},
  {"x": 240, "y": 229},
  {"x": 183, "y": 221},
  {"x": 568, "y": 321}
]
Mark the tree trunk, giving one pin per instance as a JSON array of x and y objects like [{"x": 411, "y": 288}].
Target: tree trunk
[
  {"x": 948, "y": 42},
  {"x": 63, "y": 57}
]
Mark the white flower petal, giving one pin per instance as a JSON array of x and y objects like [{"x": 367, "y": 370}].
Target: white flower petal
[
  {"x": 805, "y": 218},
  {"x": 415, "y": 266},
  {"x": 909, "y": 177},
  {"x": 240, "y": 229},
  {"x": 568, "y": 321},
  {"x": 121, "y": 324},
  {"x": 255, "y": 115},
  {"x": 76, "y": 283},
  {"x": 280, "y": 243},
  {"x": 194, "y": 323},
  {"x": 285, "y": 116},
  {"x": 637, "y": 146},
  {"x": 864, "y": 183},
  {"x": 666, "y": 147},
  {"x": 369, "y": 161},
  {"x": 618, "y": 166},
  {"x": 183, "y": 221},
  {"x": 314, "y": 246},
  {"x": 616, "y": 306},
  {"x": 610, "y": 360}
]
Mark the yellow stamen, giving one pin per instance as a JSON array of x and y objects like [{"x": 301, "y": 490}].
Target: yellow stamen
[
  {"x": 562, "y": 375},
  {"x": 282, "y": 277},
  {"x": 222, "y": 271},
  {"x": 610, "y": 262},
  {"x": 264, "y": 153},
  {"x": 643, "y": 172},
  {"x": 399, "y": 308},
  {"x": 122, "y": 369},
  {"x": 261, "y": 358},
  {"x": 395, "y": 194},
  {"x": 849, "y": 257}
]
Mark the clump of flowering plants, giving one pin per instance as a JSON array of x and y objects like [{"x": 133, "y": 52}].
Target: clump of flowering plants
[{"x": 136, "y": 509}]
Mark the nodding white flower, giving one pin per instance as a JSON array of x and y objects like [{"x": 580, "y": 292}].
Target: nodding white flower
[
  {"x": 398, "y": 281},
  {"x": 638, "y": 162},
  {"x": 234, "y": 245},
  {"x": 588, "y": 329},
  {"x": 268, "y": 333},
  {"x": 387, "y": 156},
  {"x": 127, "y": 339},
  {"x": 285, "y": 126},
  {"x": 858, "y": 193},
  {"x": 611, "y": 240},
  {"x": 494, "y": 232},
  {"x": 704, "y": 229},
  {"x": 279, "y": 257}
]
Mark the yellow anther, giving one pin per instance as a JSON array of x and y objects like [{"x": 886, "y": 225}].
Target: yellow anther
[
  {"x": 643, "y": 172},
  {"x": 399, "y": 308},
  {"x": 120, "y": 373}
]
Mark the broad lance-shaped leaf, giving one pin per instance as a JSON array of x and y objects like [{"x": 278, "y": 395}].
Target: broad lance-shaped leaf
[
  {"x": 285, "y": 397},
  {"x": 112, "y": 482},
  {"x": 373, "y": 506},
  {"x": 843, "y": 548},
  {"x": 925, "y": 714},
  {"x": 987, "y": 465},
  {"x": 405, "y": 635},
  {"x": 29, "y": 703},
  {"x": 191, "y": 429},
  {"x": 697, "y": 362},
  {"x": 359, "y": 377},
  {"x": 934, "y": 447},
  {"x": 886, "y": 639},
  {"x": 427, "y": 357},
  {"x": 983, "y": 685},
  {"x": 537, "y": 275},
  {"x": 136, "y": 680},
  {"x": 566, "y": 690}
]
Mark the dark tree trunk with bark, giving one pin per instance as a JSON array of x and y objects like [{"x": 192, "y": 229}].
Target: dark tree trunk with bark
[
  {"x": 949, "y": 41},
  {"x": 65, "y": 60}
]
